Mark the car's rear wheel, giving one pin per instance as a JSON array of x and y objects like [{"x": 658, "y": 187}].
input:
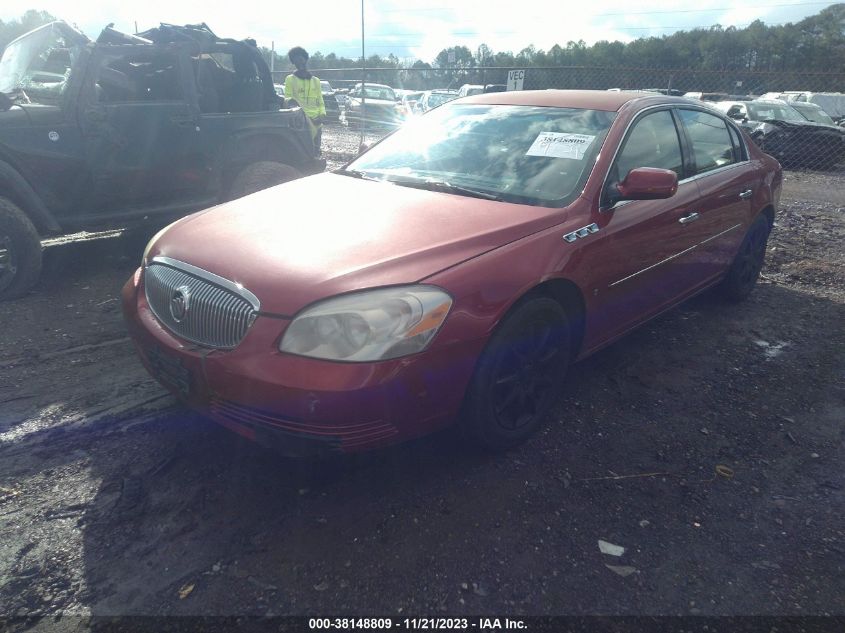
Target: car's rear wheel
[
  {"x": 517, "y": 376},
  {"x": 261, "y": 175},
  {"x": 20, "y": 251},
  {"x": 745, "y": 269}
]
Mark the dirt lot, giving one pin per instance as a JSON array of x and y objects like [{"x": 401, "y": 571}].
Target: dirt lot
[{"x": 114, "y": 500}]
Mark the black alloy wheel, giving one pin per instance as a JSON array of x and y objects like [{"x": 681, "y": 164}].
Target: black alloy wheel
[
  {"x": 745, "y": 269},
  {"x": 518, "y": 375}
]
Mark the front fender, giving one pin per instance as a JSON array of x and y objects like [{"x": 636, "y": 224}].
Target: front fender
[{"x": 16, "y": 187}]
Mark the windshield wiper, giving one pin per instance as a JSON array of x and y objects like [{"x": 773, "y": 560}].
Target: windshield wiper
[
  {"x": 442, "y": 186},
  {"x": 354, "y": 173}
]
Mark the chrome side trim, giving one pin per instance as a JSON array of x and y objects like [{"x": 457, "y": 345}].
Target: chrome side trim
[
  {"x": 231, "y": 286},
  {"x": 718, "y": 170},
  {"x": 640, "y": 272},
  {"x": 713, "y": 237},
  {"x": 676, "y": 255}
]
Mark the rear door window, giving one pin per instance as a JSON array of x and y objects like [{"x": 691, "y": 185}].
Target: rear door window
[{"x": 712, "y": 147}]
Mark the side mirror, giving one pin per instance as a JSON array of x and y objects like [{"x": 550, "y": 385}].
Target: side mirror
[
  {"x": 737, "y": 116},
  {"x": 648, "y": 183}
]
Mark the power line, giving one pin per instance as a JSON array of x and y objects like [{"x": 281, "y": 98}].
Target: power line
[{"x": 597, "y": 15}]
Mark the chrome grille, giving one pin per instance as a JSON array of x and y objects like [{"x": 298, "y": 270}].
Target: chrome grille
[{"x": 218, "y": 312}]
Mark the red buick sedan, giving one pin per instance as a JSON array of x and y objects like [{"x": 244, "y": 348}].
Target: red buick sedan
[{"x": 453, "y": 272}]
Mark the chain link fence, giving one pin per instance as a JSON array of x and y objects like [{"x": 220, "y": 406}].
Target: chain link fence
[{"x": 807, "y": 134}]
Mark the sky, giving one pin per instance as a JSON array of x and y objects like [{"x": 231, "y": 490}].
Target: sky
[{"x": 420, "y": 28}]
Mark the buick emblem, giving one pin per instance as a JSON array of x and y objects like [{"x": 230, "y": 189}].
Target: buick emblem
[{"x": 180, "y": 302}]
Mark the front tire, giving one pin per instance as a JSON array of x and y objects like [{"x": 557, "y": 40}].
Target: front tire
[
  {"x": 261, "y": 175},
  {"x": 745, "y": 269},
  {"x": 20, "y": 251},
  {"x": 517, "y": 376}
]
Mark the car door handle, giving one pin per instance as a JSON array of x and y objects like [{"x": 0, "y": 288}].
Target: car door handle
[
  {"x": 745, "y": 195},
  {"x": 183, "y": 121},
  {"x": 689, "y": 217}
]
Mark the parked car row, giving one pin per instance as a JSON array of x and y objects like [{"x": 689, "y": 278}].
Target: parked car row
[
  {"x": 381, "y": 105},
  {"x": 788, "y": 134},
  {"x": 790, "y": 126}
]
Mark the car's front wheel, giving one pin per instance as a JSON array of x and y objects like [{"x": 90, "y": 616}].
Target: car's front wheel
[
  {"x": 20, "y": 251},
  {"x": 746, "y": 266},
  {"x": 517, "y": 376},
  {"x": 261, "y": 175}
]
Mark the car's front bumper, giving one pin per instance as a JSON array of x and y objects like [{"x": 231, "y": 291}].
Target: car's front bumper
[{"x": 297, "y": 404}]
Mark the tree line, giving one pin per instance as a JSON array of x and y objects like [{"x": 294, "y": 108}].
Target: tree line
[{"x": 814, "y": 44}]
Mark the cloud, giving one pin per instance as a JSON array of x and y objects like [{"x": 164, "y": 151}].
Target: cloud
[{"x": 419, "y": 28}]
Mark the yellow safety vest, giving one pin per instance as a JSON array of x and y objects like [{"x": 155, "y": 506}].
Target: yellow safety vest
[{"x": 308, "y": 94}]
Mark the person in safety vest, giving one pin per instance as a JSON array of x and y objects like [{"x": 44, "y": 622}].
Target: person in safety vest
[{"x": 304, "y": 88}]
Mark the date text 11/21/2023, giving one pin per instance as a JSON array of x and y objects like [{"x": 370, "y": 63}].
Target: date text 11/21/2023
[{"x": 417, "y": 624}]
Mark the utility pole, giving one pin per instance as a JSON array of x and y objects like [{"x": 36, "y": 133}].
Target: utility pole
[{"x": 363, "y": 82}]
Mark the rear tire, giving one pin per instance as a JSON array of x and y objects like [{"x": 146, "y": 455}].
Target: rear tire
[
  {"x": 745, "y": 269},
  {"x": 517, "y": 376},
  {"x": 20, "y": 251},
  {"x": 261, "y": 175}
]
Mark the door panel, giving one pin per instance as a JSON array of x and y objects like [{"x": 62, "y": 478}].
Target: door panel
[
  {"x": 726, "y": 183},
  {"x": 725, "y": 212},
  {"x": 141, "y": 134},
  {"x": 647, "y": 262}
]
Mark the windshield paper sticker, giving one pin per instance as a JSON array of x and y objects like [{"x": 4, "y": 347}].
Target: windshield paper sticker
[{"x": 560, "y": 145}]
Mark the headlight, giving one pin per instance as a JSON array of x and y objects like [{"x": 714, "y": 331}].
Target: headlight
[{"x": 369, "y": 326}]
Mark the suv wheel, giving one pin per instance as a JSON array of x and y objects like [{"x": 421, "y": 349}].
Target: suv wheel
[
  {"x": 20, "y": 251},
  {"x": 517, "y": 376},
  {"x": 261, "y": 175}
]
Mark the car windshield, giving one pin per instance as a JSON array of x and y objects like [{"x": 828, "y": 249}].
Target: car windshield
[
  {"x": 325, "y": 86},
  {"x": 524, "y": 154},
  {"x": 39, "y": 63},
  {"x": 379, "y": 92},
  {"x": 439, "y": 98},
  {"x": 814, "y": 114},
  {"x": 772, "y": 112}
]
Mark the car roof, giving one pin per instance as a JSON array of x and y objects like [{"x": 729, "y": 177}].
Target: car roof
[{"x": 586, "y": 99}]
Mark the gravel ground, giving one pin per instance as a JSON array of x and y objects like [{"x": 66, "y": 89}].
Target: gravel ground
[{"x": 115, "y": 500}]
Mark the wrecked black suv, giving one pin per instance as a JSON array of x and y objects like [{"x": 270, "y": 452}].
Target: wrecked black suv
[{"x": 132, "y": 128}]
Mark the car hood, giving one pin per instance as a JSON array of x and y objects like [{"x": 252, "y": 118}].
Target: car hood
[
  {"x": 802, "y": 126},
  {"x": 327, "y": 234},
  {"x": 375, "y": 102}
]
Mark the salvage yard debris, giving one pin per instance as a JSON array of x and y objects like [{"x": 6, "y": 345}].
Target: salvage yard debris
[{"x": 610, "y": 548}]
